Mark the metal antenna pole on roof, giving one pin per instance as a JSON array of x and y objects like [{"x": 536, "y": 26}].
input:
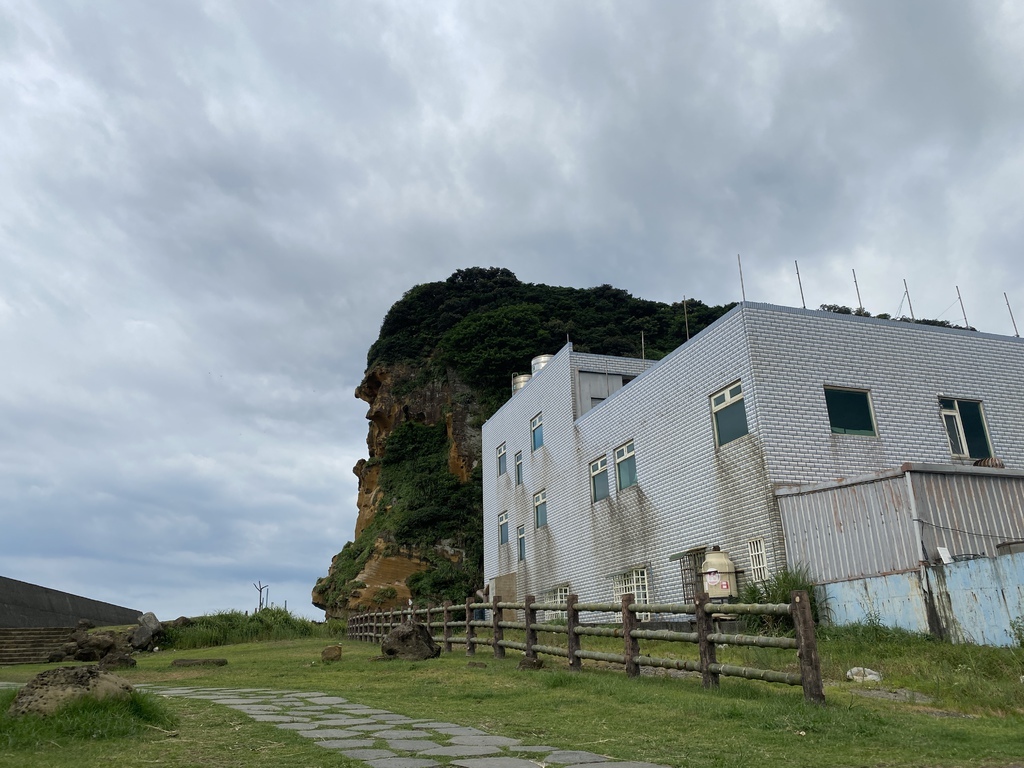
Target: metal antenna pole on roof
[
  {"x": 906, "y": 292},
  {"x": 860, "y": 304},
  {"x": 962, "y": 310},
  {"x": 802, "y": 302},
  {"x": 1015, "y": 333},
  {"x": 643, "y": 349},
  {"x": 686, "y": 319},
  {"x": 743, "y": 291}
]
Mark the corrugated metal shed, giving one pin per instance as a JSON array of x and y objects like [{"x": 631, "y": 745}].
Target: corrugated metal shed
[{"x": 876, "y": 524}]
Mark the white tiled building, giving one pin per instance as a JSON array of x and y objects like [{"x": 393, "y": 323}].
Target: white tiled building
[{"x": 601, "y": 469}]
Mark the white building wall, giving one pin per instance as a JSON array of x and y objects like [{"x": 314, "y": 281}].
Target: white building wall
[
  {"x": 690, "y": 493},
  {"x": 796, "y": 353}
]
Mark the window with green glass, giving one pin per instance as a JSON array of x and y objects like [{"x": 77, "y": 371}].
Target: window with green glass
[
  {"x": 965, "y": 427},
  {"x": 625, "y": 465},
  {"x": 599, "y": 479},
  {"x": 849, "y": 411},
  {"x": 729, "y": 414}
]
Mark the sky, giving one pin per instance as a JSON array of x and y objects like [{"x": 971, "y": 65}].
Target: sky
[{"x": 206, "y": 209}]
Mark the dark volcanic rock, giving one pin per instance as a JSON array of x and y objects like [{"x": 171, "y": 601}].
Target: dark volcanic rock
[{"x": 410, "y": 641}]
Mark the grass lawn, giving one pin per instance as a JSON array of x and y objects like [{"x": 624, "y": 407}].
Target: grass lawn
[{"x": 655, "y": 719}]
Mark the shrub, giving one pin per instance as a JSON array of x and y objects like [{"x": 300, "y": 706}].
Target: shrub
[
  {"x": 777, "y": 589},
  {"x": 231, "y": 627}
]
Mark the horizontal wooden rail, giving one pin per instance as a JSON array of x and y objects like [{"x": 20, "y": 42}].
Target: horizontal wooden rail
[{"x": 374, "y": 627}]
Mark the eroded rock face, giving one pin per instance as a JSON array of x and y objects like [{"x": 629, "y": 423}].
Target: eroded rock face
[
  {"x": 391, "y": 403},
  {"x": 411, "y": 642},
  {"x": 50, "y": 690}
]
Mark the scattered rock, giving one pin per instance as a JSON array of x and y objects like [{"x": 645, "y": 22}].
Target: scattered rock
[
  {"x": 410, "y": 641},
  {"x": 864, "y": 675},
  {"x": 199, "y": 662},
  {"x": 142, "y": 638},
  {"x": 150, "y": 620},
  {"x": 116, "y": 660},
  {"x": 48, "y": 691},
  {"x": 86, "y": 624},
  {"x": 476, "y": 665},
  {"x": 182, "y": 621},
  {"x": 331, "y": 653},
  {"x": 528, "y": 663}
]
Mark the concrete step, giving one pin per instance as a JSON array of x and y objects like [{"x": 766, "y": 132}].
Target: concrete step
[{"x": 31, "y": 645}]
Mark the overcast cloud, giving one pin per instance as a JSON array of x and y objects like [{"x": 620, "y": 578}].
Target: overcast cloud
[{"x": 206, "y": 208}]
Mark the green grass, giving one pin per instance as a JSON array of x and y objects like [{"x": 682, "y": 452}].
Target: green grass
[
  {"x": 233, "y": 627},
  {"x": 670, "y": 721},
  {"x": 82, "y": 720}
]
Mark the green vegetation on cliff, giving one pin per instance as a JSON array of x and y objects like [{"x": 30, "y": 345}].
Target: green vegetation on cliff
[{"x": 484, "y": 324}]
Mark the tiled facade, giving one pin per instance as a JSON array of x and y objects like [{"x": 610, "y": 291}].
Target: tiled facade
[{"x": 690, "y": 493}]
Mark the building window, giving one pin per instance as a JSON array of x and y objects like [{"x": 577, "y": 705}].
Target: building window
[
  {"x": 625, "y": 465},
  {"x": 965, "y": 427},
  {"x": 758, "y": 561},
  {"x": 521, "y": 541},
  {"x": 501, "y": 460},
  {"x": 540, "y": 508},
  {"x": 503, "y": 528},
  {"x": 849, "y": 411},
  {"x": 537, "y": 430},
  {"x": 558, "y": 595},
  {"x": 599, "y": 479},
  {"x": 729, "y": 414},
  {"x": 519, "y": 467},
  {"x": 690, "y": 564},
  {"x": 634, "y": 583}
]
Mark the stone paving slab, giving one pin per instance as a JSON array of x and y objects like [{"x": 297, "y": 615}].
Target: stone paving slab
[
  {"x": 495, "y": 762},
  {"x": 367, "y": 754},
  {"x": 345, "y": 743},
  {"x": 329, "y": 733},
  {"x": 403, "y": 762},
  {"x": 485, "y": 740},
  {"x": 575, "y": 757},
  {"x": 524, "y": 748},
  {"x": 460, "y": 751},
  {"x": 402, "y": 734},
  {"x": 348, "y": 722},
  {"x": 279, "y": 719},
  {"x": 410, "y": 745}
]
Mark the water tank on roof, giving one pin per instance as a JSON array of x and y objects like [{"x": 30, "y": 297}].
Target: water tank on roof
[
  {"x": 539, "y": 362},
  {"x": 519, "y": 381}
]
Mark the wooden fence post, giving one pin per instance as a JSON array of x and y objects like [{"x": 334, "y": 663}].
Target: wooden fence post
[
  {"x": 807, "y": 647},
  {"x": 470, "y": 629},
  {"x": 446, "y": 629},
  {"x": 705, "y": 627},
  {"x": 531, "y": 619},
  {"x": 497, "y": 633},
  {"x": 631, "y": 646},
  {"x": 572, "y": 620}
]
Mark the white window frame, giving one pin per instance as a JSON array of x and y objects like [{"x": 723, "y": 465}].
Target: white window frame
[
  {"x": 758, "y": 560},
  {"x": 722, "y": 399},
  {"x": 519, "y": 467},
  {"x": 559, "y": 594},
  {"x": 537, "y": 428},
  {"x": 635, "y": 582},
  {"x": 540, "y": 499},
  {"x": 503, "y": 528},
  {"x": 521, "y": 544},
  {"x": 624, "y": 453},
  {"x": 961, "y": 436},
  {"x": 599, "y": 467},
  {"x": 502, "y": 467}
]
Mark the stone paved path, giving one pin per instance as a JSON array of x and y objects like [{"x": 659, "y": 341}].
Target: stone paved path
[{"x": 384, "y": 739}]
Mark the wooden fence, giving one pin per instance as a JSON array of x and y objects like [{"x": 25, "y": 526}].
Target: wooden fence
[{"x": 374, "y": 627}]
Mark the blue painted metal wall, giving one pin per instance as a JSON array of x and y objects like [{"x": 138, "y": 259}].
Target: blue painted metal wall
[{"x": 972, "y": 601}]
